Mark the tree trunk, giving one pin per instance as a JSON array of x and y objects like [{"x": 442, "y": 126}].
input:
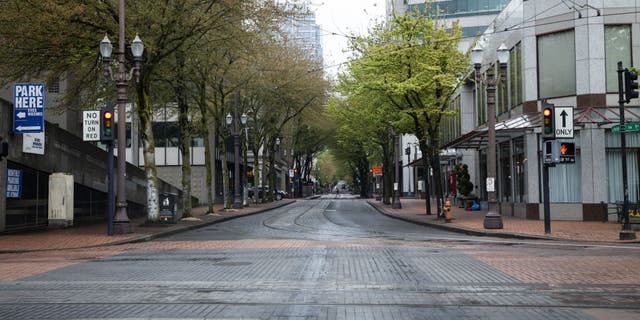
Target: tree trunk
[
  {"x": 364, "y": 177},
  {"x": 387, "y": 175},
  {"x": 142, "y": 90},
  {"x": 185, "y": 135},
  {"x": 207, "y": 155},
  {"x": 425, "y": 168},
  {"x": 435, "y": 164},
  {"x": 272, "y": 177}
]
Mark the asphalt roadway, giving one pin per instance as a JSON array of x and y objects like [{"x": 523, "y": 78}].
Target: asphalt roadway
[{"x": 333, "y": 258}]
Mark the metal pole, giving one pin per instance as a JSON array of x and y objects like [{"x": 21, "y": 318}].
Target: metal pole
[
  {"x": 110, "y": 188},
  {"x": 545, "y": 194},
  {"x": 492, "y": 219},
  {"x": 395, "y": 204},
  {"x": 121, "y": 220},
  {"x": 626, "y": 233},
  {"x": 237, "y": 199}
]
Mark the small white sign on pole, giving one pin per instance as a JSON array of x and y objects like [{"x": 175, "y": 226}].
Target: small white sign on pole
[
  {"x": 33, "y": 143},
  {"x": 491, "y": 184},
  {"x": 91, "y": 125}
]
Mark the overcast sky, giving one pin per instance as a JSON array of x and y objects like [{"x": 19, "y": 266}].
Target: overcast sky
[{"x": 344, "y": 17}]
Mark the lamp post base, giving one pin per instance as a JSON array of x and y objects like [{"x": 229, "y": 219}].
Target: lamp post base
[
  {"x": 492, "y": 220},
  {"x": 627, "y": 235},
  {"x": 396, "y": 204},
  {"x": 121, "y": 227},
  {"x": 237, "y": 204}
]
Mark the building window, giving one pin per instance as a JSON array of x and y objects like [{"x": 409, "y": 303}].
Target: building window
[
  {"x": 565, "y": 180},
  {"x": 166, "y": 134},
  {"x": 557, "y": 64},
  {"x": 519, "y": 171},
  {"x": 614, "y": 166},
  {"x": 502, "y": 104},
  {"x": 617, "y": 48},
  {"x": 515, "y": 75},
  {"x": 504, "y": 165},
  {"x": 54, "y": 86},
  {"x": 481, "y": 100}
]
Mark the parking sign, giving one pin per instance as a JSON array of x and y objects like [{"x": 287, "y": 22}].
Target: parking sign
[{"x": 28, "y": 107}]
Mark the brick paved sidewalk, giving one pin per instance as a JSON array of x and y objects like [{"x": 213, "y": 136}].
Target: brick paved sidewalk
[
  {"x": 93, "y": 235},
  {"x": 471, "y": 222}
]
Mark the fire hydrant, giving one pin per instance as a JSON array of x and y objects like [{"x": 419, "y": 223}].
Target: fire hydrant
[{"x": 447, "y": 211}]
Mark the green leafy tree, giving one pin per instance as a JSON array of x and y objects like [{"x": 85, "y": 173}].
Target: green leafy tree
[{"x": 413, "y": 61}]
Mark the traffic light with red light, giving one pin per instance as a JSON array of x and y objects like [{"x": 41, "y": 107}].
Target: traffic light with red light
[
  {"x": 548, "y": 130},
  {"x": 107, "y": 130},
  {"x": 630, "y": 85}
]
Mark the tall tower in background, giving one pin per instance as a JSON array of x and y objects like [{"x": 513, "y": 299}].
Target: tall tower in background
[{"x": 303, "y": 30}]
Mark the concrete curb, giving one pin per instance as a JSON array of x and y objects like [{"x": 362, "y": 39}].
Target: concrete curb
[
  {"x": 475, "y": 232},
  {"x": 156, "y": 235}
]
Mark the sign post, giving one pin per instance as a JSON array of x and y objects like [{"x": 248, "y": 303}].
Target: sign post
[{"x": 28, "y": 107}]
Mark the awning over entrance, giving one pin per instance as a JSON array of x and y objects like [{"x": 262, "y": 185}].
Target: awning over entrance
[{"x": 507, "y": 129}]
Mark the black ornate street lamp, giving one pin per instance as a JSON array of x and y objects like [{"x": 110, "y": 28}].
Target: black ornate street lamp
[
  {"x": 493, "y": 219},
  {"x": 237, "y": 194},
  {"x": 122, "y": 77}
]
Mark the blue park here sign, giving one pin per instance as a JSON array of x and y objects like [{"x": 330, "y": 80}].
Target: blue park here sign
[{"x": 28, "y": 107}]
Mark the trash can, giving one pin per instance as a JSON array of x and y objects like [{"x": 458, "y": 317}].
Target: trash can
[{"x": 168, "y": 208}]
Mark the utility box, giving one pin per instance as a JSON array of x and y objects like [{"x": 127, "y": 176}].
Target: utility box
[
  {"x": 60, "y": 212},
  {"x": 168, "y": 208}
]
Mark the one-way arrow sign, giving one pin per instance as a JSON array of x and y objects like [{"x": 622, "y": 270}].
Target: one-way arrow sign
[{"x": 564, "y": 122}]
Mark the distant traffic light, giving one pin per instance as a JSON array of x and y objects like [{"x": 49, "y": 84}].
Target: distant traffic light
[
  {"x": 630, "y": 85},
  {"x": 107, "y": 133},
  {"x": 4, "y": 149},
  {"x": 547, "y": 122}
]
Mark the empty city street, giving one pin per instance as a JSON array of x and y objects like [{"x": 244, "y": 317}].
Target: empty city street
[{"x": 330, "y": 258}]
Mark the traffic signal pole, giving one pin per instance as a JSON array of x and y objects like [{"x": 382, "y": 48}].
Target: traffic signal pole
[
  {"x": 110, "y": 195},
  {"x": 545, "y": 195},
  {"x": 548, "y": 134},
  {"x": 625, "y": 96}
]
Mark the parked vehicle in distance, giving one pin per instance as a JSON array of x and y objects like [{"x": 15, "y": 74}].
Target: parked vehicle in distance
[{"x": 279, "y": 193}]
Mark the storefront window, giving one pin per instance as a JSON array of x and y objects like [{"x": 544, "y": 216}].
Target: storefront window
[
  {"x": 614, "y": 166},
  {"x": 519, "y": 171},
  {"x": 565, "y": 180},
  {"x": 505, "y": 172}
]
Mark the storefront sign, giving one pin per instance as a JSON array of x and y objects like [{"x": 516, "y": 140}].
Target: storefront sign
[{"x": 14, "y": 183}]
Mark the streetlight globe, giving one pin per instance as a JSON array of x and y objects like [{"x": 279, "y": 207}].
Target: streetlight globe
[
  {"x": 106, "y": 48},
  {"x": 476, "y": 55},
  {"x": 229, "y": 119},
  {"x": 137, "y": 47},
  {"x": 278, "y": 141},
  {"x": 243, "y": 118},
  {"x": 503, "y": 54}
]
